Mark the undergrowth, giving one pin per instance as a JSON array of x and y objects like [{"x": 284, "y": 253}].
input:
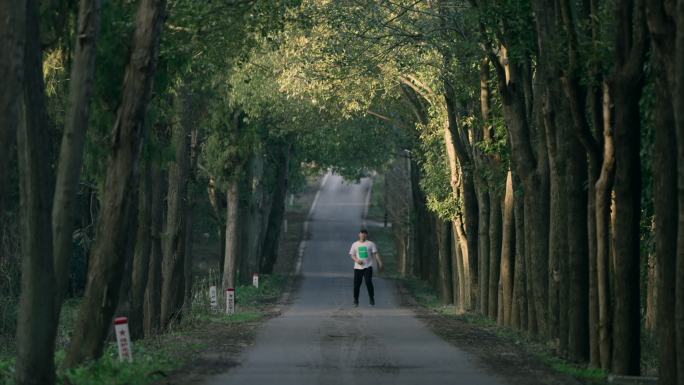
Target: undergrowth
[{"x": 155, "y": 356}]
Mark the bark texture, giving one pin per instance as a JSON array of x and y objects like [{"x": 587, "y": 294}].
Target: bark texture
[
  {"x": 231, "y": 250},
  {"x": 626, "y": 87},
  {"x": 666, "y": 172},
  {"x": 107, "y": 258},
  {"x": 507, "y": 252},
  {"x": 269, "y": 249},
  {"x": 152, "y": 301},
  {"x": 12, "y": 35},
  {"x": 173, "y": 264},
  {"x": 73, "y": 141},
  {"x": 141, "y": 255},
  {"x": 36, "y": 321}
]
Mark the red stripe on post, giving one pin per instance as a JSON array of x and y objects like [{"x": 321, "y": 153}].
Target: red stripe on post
[
  {"x": 120, "y": 321},
  {"x": 230, "y": 289}
]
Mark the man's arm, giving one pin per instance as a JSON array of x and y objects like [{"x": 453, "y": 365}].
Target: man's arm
[
  {"x": 381, "y": 265},
  {"x": 352, "y": 254}
]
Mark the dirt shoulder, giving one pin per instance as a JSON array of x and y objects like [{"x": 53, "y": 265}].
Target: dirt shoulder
[
  {"x": 215, "y": 347},
  {"x": 517, "y": 361}
]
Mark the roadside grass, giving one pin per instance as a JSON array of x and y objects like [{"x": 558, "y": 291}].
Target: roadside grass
[
  {"x": 161, "y": 354},
  {"x": 158, "y": 355},
  {"x": 427, "y": 297}
]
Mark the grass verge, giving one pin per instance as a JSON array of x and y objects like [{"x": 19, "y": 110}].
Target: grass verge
[{"x": 155, "y": 357}]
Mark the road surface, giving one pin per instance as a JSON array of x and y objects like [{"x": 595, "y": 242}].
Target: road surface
[{"x": 322, "y": 339}]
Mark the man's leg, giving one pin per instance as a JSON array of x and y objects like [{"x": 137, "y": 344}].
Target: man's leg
[
  {"x": 368, "y": 277},
  {"x": 358, "y": 276}
]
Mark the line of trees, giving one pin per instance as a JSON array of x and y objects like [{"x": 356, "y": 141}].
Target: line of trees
[
  {"x": 535, "y": 174},
  {"x": 117, "y": 121},
  {"x": 532, "y": 150}
]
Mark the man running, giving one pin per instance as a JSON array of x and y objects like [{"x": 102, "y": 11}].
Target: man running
[{"x": 362, "y": 252}]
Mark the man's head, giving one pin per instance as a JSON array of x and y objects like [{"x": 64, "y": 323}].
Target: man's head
[{"x": 363, "y": 235}]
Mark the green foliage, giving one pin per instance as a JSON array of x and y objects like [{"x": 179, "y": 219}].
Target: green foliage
[
  {"x": 436, "y": 177},
  {"x": 6, "y": 369},
  {"x": 152, "y": 358},
  {"x": 271, "y": 287}
]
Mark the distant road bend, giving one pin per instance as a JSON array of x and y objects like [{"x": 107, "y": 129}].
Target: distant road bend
[{"x": 322, "y": 339}]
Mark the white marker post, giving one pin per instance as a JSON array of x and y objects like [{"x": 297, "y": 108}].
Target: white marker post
[
  {"x": 255, "y": 280},
  {"x": 230, "y": 301},
  {"x": 123, "y": 339},
  {"x": 213, "y": 297}
]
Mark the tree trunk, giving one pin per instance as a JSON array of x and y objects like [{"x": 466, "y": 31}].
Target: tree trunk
[
  {"x": 12, "y": 35},
  {"x": 626, "y": 330},
  {"x": 463, "y": 186},
  {"x": 470, "y": 234},
  {"x": 231, "y": 252},
  {"x": 495, "y": 218},
  {"x": 604, "y": 187},
  {"x": 269, "y": 251},
  {"x": 558, "y": 242},
  {"x": 528, "y": 153},
  {"x": 483, "y": 249},
  {"x": 141, "y": 256},
  {"x": 106, "y": 264},
  {"x": 520, "y": 303},
  {"x": 253, "y": 230},
  {"x": 152, "y": 303},
  {"x": 578, "y": 253},
  {"x": 73, "y": 140},
  {"x": 188, "y": 275},
  {"x": 507, "y": 253},
  {"x": 173, "y": 265},
  {"x": 626, "y": 87},
  {"x": 665, "y": 174},
  {"x": 243, "y": 270},
  {"x": 444, "y": 258},
  {"x": 594, "y": 339},
  {"x": 652, "y": 279},
  {"x": 188, "y": 260},
  {"x": 36, "y": 321},
  {"x": 678, "y": 97},
  {"x": 123, "y": 305},
  {"x": 458, "y": 277}
]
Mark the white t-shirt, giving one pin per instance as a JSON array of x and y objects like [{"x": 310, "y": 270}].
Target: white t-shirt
[{"x": 364, "y": 251}]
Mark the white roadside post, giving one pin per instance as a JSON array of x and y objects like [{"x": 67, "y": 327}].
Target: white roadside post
[
  {"x": 230, "y": 301},
  {"x": 123, "y": 339},
  {"x": 213, "y": 298},
  {"x": 255, "y": 280}
]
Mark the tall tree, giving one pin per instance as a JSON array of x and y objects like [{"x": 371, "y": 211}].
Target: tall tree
[
  {"x": 36, "y": 321},
  {"x": 626, "y": 85},
  {"x": 662, "y": 28},
  {"x": 277, "y": 213},
  {"x": 173, "y": 264},
  {"x": 106, "y": 264},
  {"x": 508, "y": 256},
  {"x": 81, "y": 87},
  {"x": 678, "y": 99},
  {"x": 12, "y": 35}
]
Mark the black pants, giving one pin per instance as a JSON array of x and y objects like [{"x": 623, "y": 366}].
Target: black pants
[{"x": 367, "y": 275}]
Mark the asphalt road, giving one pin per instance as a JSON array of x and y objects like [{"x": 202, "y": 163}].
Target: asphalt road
[{"x": 322, "y": 339}]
